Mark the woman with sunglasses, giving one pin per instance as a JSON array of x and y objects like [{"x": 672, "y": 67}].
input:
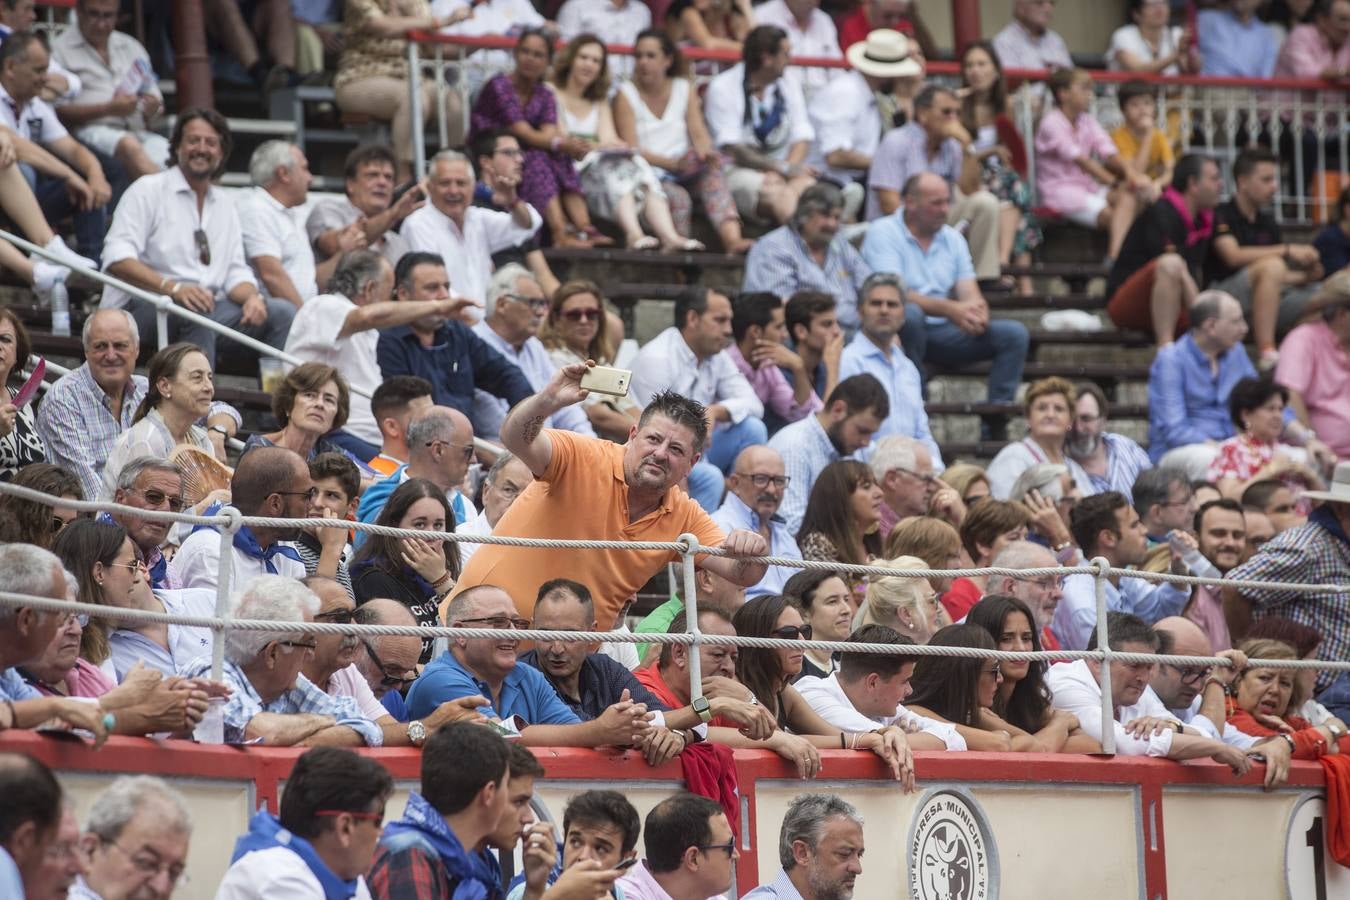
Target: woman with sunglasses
[
  {"x": 179, "y": 394},
  {"x": 827, "y": 605},
  {"x": 577, "y": 329},
  {"x": 107, "y": 568},
  {"x": 27, "y": 522},
  {"x": 962, "y": 690},
  {"x": 144, "y": 703},
  {"x": 769, "y": 674},
  {"x": 20, "y": 443},
  {"x": 1022, "y": 702},
  {"x": 414, "y": 571}
]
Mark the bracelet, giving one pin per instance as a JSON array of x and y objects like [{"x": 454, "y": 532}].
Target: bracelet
[
  {"x": 555, "y": 143},
  {"x": 442, "y": 580},
  {"x": 853, "y": 744},
  {"x": 109, "y": 722},
  {"x": 1290, "y": 741}
]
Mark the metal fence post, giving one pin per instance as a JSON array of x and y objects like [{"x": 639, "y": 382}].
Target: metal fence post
[
  {"x": 415, "y": 104},
  {"x": 162, "y": 323},
  {"x": 224, "y": 570},
  {"x": 1103, "y": 644},
  {"x": 689, "y": 594}
]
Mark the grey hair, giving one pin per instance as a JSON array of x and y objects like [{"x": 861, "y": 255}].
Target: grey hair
[
  {"x": 893, "y": 452},
  {"x": 1017, "y": 555},
  {"x": 270, "y": 598},
  {"x": 805, "y": 820},
  {"x": 501, "y": 462},
  {"x": 882, "y": 279},
  {"x": 1043, "y": 477},
  {"x": 1207, "y": 306},
  {"x": 504, "y": 282},
  {"x": 453, "y": 156},
  {"x": 89, "y": 326},
  {"x": 821, "y": 197},
  {"x": 270, "y": 156},
  {"x": 28, "y": 570},
  {"x": 356, "y": 270},
  {"x": 1154, "y": 486},
  {"x": 433, "y": 425},
  {"x": 127, "y": 796},
  {"x": 126, "y": 479}
]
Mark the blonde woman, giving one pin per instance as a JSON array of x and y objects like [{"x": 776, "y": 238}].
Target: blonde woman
[
  {"x": 577, "y": 329},
  {"x": 909, "y": 605}
]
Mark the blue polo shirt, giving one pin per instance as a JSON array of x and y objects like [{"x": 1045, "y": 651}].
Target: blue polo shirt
[
  {"x": 457, "y": 362},
  {"x": 891, "y": 247},
  {"x": 525, "y": 693}
]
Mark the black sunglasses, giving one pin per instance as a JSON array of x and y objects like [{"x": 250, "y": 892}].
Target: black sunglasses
[
  {"x": 792, "y": 632},
  {"x": 386, "y": 680},
  {"x": 203, "y": 247},
  {"x": 336, "y": 617}
]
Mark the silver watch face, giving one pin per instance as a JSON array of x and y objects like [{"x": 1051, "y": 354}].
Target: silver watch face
[{"x": 417, "y": 732}]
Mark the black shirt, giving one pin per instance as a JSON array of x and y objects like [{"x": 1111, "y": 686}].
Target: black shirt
[
  {"x": 370, "y": 582},
  {"x": 601, "y": 681},
  {"x": 1160, "y": 229},
  {"x": 1263, "y": 231}
]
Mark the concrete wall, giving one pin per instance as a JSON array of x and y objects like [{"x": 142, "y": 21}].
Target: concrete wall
[{"x": 1086, "y": 25}]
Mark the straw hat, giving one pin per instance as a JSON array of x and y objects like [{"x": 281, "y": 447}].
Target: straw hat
[
  {"x": 1340, "y": 486},
  {"x": 885, "y": 54}
]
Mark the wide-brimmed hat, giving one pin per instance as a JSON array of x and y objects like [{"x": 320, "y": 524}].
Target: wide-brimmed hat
[
  {"x": 1340, "y": 486},
  {"x": 1335, "y": 291},
  {"x": 885, "y": 54}
]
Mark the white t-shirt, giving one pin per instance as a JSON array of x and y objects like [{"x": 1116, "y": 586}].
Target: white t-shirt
[
  {"x": 844, "y": 114},
  {"x": 273, "y": 873},
  {"x": 1128, "y": 38},
  {"x": 314, "y": 338},
  {"x": 724, "y": 108},
  {"x": 271, "y": 229}
]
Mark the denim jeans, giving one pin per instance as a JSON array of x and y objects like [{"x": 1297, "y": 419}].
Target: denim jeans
[
  {"x": 1004, "y": 341},
  {"x": 272, "y": 332},
  {"x": 1336, "y": 698},
  {"x": 707, "y": 478},
  {"x": 91, "y": 225}
]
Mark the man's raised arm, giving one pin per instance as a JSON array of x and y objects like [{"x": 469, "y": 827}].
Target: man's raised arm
[{"x": 523, "y": 431}]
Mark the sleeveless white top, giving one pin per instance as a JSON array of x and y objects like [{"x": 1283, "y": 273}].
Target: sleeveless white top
[{"x": 668, "y": 135}]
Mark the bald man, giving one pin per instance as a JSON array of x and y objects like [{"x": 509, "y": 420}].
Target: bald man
[
  {"x": 440, "y": 448},
  {"x": 388, "y": 662},
  {"x": 1195, "y": 694},
  {"x": 756, "y": 488}
]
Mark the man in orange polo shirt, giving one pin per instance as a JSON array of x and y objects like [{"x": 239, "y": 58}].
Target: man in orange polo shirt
[{"x": 590, "y": 489}]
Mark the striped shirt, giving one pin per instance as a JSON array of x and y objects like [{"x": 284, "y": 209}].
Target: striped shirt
[
  {"x": 1124, "y": 461},
  {"x": 781, "y": 264}
]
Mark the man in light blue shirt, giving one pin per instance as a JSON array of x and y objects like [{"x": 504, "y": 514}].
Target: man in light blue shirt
[
  {"x": 852, "y": 414},
  {"x": 1107, "y": 525},
  {"x": 935, "y": 261},
  {"x": 873, "y": 351},
  {"x": 487, "y": 667},
  {"x": 1234, "y": 42},
  {"x": 756, "y": 489}
]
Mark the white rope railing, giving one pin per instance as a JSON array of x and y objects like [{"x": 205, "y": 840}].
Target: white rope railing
[{"x": 229, "y": 520}]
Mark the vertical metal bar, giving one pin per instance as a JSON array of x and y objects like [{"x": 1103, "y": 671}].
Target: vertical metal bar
[
  {"x": 224, "y": 571},
  {"x": 690, "y": 595},
  {"x": 442, "y": 126},
  {"x": 1103, "y": 644},
  {"x": 415, "y": 106},
  {"x": 162, "y": 326}
]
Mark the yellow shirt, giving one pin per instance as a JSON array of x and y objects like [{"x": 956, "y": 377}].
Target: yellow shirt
[{"x": 1159, "y": 150}]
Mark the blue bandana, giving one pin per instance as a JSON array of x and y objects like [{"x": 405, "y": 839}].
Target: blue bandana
[
  {"x": 247, "y": 544},
  {"x": 265, "y": 832},
  {"x": 477, "y": 874}
]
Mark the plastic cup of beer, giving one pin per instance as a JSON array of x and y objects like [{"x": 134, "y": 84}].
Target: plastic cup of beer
[{"x": 271, "y": 371}]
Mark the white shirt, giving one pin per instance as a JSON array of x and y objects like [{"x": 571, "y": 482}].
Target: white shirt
[
  {"x": 35, "y": 120},
  {"x": 669, "y": 134},
  {"x": 186, "y": 642},
  {"x": 155, "y": 222},
  {"x": 666, "y": 363},
  {"x": 1075, "y": 689},
  {"x": 490, "y": 17},
  {"x": 271, "y": 229},
  {"x": 819, "y": 39},
  {"x": 844, "y": 114},
  {"x": 611, "y": 23},
  {"x": 275, "y": 872},
  {"x": 1203, "y": 724},
  {"x": 467, "y": 254},
  {"x": 1127, "y": 38},
  {"x": 314, "y": 338},
  {"x": 826, "y": 696},
  {"x": 127, "y": 70},
  {"x": 197, "y": 563},
  {"x": 724, "y": 108},
  {"x": 349, "y": 682},
  {"x": 477, "y": 526},
  {"x": 534, "y": 360},
  {"x": 338, "y": 212}
]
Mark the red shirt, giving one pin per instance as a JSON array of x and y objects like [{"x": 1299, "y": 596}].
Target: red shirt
[
  {"x": 963, "y": 595},
  {"x": 650, "y": 678},
  {"x": 854, "y": 28}
]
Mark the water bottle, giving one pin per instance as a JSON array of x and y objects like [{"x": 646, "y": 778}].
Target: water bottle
[
  {"x": 211, "y": 729},
  {"x": 60, "y": 309},
  {"x": 1199, "y": 566}
]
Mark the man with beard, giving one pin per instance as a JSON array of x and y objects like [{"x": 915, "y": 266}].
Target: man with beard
[
  {"x": 755, "y": 491},
  {"x": 1075, "y": 688},
  {"x": 1112, "y": 461},
  {"x": 1221, "y": 532},
  {"x": 636, "y": 500},
  {"x": 853, "y": 413},
  {"x": 174, "y": 233},
  {"x": 332, "y": 668},
  {"x": 269, "y": 481},
  {"x": 820, "y": 846}
]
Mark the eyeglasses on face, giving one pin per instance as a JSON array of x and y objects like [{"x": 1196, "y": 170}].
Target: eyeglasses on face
[
  {"x": 389, "y": 681},
  {"x": 58, "y": 523},
  {"x": 926, "y": 479},
  {"x": 336, "y": 617},
  {"x": 465, "y": 449},
  {"x": 154, "y": 499},
  {"x": 792, "y": 632},
  {"x": 82, "y": 618},
  {"x": 498, "y": 622},
  {"x": 993, "y": 671},
  {"x": 729, "y": 847},
  {"x": 311, "y": 495},
  {"x": 538, "y": 304},
  {"x": 763, "y": 481},
  {"x": 149, "y": 866},
  {"x": 1193, "y": 673},
  {"x": 581, "y": 315},
  {"x": 203, "y": 247},
  {"x": 133, "y": 565},
  {"x": 303, "y": 645}
]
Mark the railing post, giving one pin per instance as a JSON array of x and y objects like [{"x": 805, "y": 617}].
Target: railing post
[
  {"x": 224, "y": 570},
  {"x": 689, "y": 594},
  {"x": 415, "y": 106},
  {"x": 1103, "y": 644},
  {"x": 161, "y": 325}
]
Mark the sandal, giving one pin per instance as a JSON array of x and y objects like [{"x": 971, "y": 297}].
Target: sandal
[{"x": 646, "y": 242}]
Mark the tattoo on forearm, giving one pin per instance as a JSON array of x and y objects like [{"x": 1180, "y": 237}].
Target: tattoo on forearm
[{"x": 532, "y": 429}]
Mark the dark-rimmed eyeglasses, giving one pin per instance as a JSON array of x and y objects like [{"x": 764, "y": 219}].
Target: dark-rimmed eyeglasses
[
  {"x": 1193, "y": 673},
  {"x": 500, "y": 623},
  {"x": 762, "y": 481},
  {"x": 729, "y": 847},
  {"x": 993, "y": 671},
  {"x": 467, "y": 449},
  {"x": 302, "y": 645},
  {"x": 203, "y": 246},
  {"x": 58, "y": 523},
  {"x": 311, "y": 495},
  {"x": 581, "y": 315},
  {"x": 387, "y": 680},
  {"x": 156, "y": 498},
  {"x": 336, "y": 617},
  {"x": 792, "y": 632}
]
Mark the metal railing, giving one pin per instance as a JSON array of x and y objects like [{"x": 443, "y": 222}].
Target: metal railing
[
  {"x": 229, "y": 520},
  {"x": 1222, "y": 115}
]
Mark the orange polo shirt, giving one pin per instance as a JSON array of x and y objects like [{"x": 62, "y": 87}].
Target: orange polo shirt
[{"x": 583, "y": 496}]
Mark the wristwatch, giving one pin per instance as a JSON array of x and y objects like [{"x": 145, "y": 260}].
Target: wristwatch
[
  {"x": 703, "y": 708},
  {"x": 1337, "y": 730},
  {"x": 417, "y": 733}
]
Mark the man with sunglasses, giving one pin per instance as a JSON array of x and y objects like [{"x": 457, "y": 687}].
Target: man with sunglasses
[
  {"x": 691, "y": 852},
  {"x": 332, "y": 668},
  {"x": 147, "y": 482},
  {"x": 754, "y": 492},
  {"x": 516, "y": 308},
  {"x": 270, "y": 697},
  {"x": 440, "y": 448},
  {"x": 389, "y": 663}
]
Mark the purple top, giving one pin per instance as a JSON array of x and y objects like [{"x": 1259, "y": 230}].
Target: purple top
[
  {"x": 498, "y": 106},
  {"x": 1063, "y": 184},
  {"x": 772, "y": 388}
]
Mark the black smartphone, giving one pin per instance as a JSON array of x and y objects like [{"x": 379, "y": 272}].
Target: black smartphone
[
  {"x": 626, "y": 864},
  {"x": 403, "y": 189}
]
